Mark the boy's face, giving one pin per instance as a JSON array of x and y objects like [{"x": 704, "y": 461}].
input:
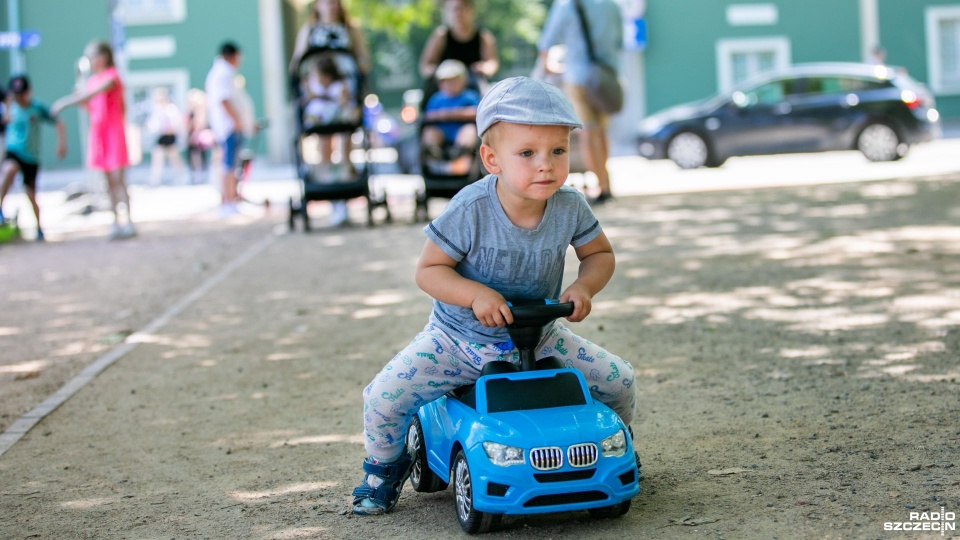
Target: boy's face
[
  {"x": 22, "y": 98},
  {"x": 532, "y": 162},
  {"x": 452, "y": 86}
]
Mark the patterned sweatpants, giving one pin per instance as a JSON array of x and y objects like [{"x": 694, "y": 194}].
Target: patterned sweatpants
[{"x": 434, "y": 364}]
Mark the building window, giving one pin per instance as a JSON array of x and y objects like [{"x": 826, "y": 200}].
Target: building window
[
  {"x": 740, "y": 59},
  {"x": 135, "y": 12},
  {"x": 943, "y": 48}
]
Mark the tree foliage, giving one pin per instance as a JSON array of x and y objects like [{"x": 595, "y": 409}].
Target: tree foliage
[{"x": 516, "y": 24}]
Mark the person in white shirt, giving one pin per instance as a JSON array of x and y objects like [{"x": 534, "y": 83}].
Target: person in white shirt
[{"x": 225, "y": 120}]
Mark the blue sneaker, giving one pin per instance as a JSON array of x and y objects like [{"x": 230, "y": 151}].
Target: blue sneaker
[
  {"x": 40, "y": 237},
  {"x": 2, "y": 221}
]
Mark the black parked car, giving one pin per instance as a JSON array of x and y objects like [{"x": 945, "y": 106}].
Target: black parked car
[{"x": 876, "y": 109}]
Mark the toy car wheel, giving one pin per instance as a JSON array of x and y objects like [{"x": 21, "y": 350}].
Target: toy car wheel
[
  {"x": 612, "y": 511},
  {"x": 472, "y": 521},
  {"x": 422, "y": 478}
]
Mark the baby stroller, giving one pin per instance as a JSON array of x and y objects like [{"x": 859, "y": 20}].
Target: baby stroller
[
  {"x": 328, "y": 89},
  {"x": 440, "y": 179}
]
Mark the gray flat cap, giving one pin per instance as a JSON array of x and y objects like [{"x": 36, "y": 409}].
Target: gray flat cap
[{"x": 522, "y": 100}]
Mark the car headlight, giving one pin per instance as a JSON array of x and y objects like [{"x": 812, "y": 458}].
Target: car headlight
[
  {"x": 650, "y": 126},
  {"x": 614, "y": 445},
  {"x": 503, "y": 455}
]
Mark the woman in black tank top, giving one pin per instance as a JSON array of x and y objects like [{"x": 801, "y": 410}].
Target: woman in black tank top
[{"x": 461, "y": 39}]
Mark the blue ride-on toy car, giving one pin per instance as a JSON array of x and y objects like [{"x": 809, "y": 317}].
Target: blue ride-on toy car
[{"x": 524, "y": 441}]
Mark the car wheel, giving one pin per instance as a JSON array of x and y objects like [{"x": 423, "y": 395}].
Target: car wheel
[
  {"x": 612, "y": 511},
  {"x": 472, "y": 521},
  {"x": 421, "y": 477},
  {"x": 688, "y": 150},
  {"x": 879, "y": 142}
]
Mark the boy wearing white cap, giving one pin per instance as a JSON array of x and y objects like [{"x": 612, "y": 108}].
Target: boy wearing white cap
[
  {"x": 450, "y": 114},
  {"x": 504, "y": 236}
]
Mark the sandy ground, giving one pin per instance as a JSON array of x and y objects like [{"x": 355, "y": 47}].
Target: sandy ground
[{"x": 797, "y": 352}]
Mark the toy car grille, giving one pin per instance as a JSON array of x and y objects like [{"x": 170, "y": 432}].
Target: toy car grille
[
  {"x": 546, "y": 458},
  {"x": 582, "y": 455}
]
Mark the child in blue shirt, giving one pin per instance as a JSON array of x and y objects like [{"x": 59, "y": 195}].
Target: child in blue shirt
[
  {"x": 504, "y": 236},
  {"x": 451, "y": 113},
  {"x": 23, "y": 116}
]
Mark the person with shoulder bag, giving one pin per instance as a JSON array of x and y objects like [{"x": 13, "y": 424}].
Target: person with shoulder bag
[{"x": 592, "y": 32}]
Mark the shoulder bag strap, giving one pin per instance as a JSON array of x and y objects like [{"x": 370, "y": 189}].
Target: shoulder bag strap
[{"x": 586, "y": 31}]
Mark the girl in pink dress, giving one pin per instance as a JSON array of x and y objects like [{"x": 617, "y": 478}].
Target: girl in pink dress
[{"x": 107, "y": 142}]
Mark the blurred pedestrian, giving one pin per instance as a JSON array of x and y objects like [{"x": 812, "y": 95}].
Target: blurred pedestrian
[
  {"x": 165, "y": 125},
  {"x": 107, "y": 141},
  {"x": 199, "y": 137},
  {"x": 225, "y": 121},
  {"x": 330, "y": 26},
  {"x": 22, "y": 116},
  {"x": 604, "y": 24},
  {"x": 878, "y": 55},
  {"x": 459, "y": 38}
]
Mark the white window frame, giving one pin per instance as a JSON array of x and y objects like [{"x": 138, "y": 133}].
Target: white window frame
[
  {"x": 933, "y": 16},
  {"x": 726, "y": 48},
  {"x": 153, "y": 14}
]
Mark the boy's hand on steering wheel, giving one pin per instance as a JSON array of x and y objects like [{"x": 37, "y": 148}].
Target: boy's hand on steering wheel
[
  {"x": 582, "y": 302},
  {"x": 491, "y": 309}
]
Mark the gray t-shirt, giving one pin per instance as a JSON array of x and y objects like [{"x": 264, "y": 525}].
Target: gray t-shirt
[{"x": 517, "y": 263}]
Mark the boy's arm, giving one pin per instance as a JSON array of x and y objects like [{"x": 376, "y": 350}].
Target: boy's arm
[
  {"x": 453, "y": 114},
  {"x": 596, "y": 268},
  {"x": 437, "y": 277}
]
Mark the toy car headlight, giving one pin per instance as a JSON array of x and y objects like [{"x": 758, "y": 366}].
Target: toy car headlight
[
  {"x": 614, "y": 445},
  {"x": 503, "y": 455}
]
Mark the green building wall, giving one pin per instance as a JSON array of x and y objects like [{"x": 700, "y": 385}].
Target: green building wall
[
  {"x": 681, "y": 58},
  {"x": 66, "y": 26},
  {"x": 904, "y": 37}
]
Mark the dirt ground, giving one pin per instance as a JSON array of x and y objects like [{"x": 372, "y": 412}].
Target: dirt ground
[{"x": 796, "y": 349}]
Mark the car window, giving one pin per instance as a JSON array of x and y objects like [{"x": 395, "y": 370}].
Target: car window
[
  {"x": 765, "y": 94},
  {"x": 833, "y": 85}
]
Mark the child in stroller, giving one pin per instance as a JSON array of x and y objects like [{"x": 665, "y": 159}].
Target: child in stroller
[
  {"x": 329, "y": 97},
  {"x": 448, "y": 136},
  {"x": 449, "y": 143}
]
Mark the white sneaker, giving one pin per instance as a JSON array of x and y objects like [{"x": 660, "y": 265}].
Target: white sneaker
[
  {"x": 338, "y": 215},
  {"x": 228, "y": 209}
]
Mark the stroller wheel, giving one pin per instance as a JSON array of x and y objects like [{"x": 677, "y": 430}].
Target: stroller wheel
[
  {"x": 305, "y": 216},
  {"x": 291, "y": 219},
  {"x": 420, "y": 212}
]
